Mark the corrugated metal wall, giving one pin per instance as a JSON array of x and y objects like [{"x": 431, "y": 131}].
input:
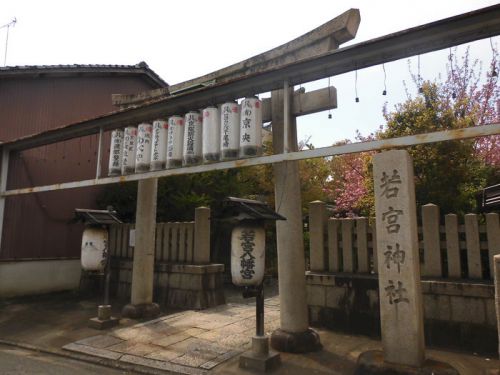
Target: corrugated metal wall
[{"x": 37, "y": 225}]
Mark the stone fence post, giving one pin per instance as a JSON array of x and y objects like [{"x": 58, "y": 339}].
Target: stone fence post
[
  {"x": 432, "y": 248},
  {"x": 317, "y": 221},
  {"x": 493, "y": 235},
  {"x": 496, "y": 261},
  {"x": 201, "y": 235}
]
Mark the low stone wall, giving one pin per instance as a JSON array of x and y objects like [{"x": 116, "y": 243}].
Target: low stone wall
[
  {"x": 458, "y": 315},
  {"x": 38, "y": 277},
  {"x": 182, "y": 286}
]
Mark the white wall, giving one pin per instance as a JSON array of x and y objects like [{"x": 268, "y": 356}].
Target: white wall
[{"x": 37, "y": 277}]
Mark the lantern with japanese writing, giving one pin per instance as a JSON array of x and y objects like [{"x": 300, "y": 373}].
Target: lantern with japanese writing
[
  {"x": 192, "y": 138},
  {"x": 248, "y": 218},
  {"x": 211, "y": 135},
  {"x": 128, "y": 155},
  {"x": 94, "y": 249},
  {"x": 251, "y": 127},
  {"x": 229, "y": 131},
  {"x": 159, "y": 146},
  {"x": 115, "y": 154},
  {"x": 143, "y": 149},
  {"x": 175, "y": 141},
  {"x": 248, "y": 241}
]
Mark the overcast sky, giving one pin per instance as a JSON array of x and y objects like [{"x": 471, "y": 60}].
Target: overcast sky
[{"x": 184, "y": 39}]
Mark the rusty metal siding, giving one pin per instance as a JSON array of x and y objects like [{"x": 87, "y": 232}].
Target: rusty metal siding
[
  {"x": 37, "y": 226},
  {"x": 32, "y": 105}
]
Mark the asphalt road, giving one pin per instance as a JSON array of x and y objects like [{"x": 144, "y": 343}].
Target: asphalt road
[{"x": 24, "y": 362}]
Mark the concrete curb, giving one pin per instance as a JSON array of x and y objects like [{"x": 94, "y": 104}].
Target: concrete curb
[{"x": 89, "y": 359}]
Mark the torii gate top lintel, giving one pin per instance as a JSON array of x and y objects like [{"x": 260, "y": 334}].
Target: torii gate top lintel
[
  {"x": 322, "y": 39},
  {"x": 464, "y": 28}
]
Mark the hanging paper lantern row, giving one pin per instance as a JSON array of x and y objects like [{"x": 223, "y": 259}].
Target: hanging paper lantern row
[{"x": 224, "y": 133}]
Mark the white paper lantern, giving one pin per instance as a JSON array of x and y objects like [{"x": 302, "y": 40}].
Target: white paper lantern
[
  {"x": 128, "y": 156},
  {"x": 175, "y": 141},
  {"x": 115, "y": 153},
  {"x": 94, "y": 249},
  {"x": 248, "y": 254},
  {"x": 192, "y": 153},
  {"x": 211, "y": 135},
  {"x": 251, "y": 127},
  {"x": 159, "y": 146},
  {"x": 229, "y": 131},
  {"x": 143, "y": 148}
]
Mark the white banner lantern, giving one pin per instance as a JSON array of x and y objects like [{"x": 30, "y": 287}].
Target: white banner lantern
[
  {"x": 251, "y": 127},
  {"x": 229, "y": 131},
  {"x": 175, "y": 141},
  {"x": 143, "y": 153},
  {"x": 192, "y": 153},
  {"x": 115, "y": 153},
  {"x": 159, "y": 146},
  {"x": 128, "y": 156},
  {"x": 211, "y": 134},
  {"x": 94, "y": 249},
  {"x": 248, "y": 241}
]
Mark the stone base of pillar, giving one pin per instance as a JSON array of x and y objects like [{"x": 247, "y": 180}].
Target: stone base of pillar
[
  {"x": 260, "y": 358},
  {"x": 104, "y": 312},
  {"x": 141, "y": 311},
  {"x": 190, "y": 286},
  {"x": 97, "y": 323},
  {"x": 372, "y": 363},
  {"x": 179, "y": 286},
  {"x": 104, "y": 319},
  {"x": 296, "y": 342}
]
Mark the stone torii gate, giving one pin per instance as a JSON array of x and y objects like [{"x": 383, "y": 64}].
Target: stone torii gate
[
  {"x": 305, "y": 59},
  {"x": 281, "y": 109}
]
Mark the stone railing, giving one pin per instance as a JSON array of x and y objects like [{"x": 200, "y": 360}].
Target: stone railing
[
  {"x": 452, "y": 250},
  {"x": 174, "y": 242},
  {"x": 182, "y": 243},
  {"x": 456, "y": 269},
  {"x": 184, "y": 276}
]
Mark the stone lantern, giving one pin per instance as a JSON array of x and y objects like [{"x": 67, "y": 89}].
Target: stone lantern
[
  {"x": 248, "y": 240},
  {"x": 96, "y": 258}
]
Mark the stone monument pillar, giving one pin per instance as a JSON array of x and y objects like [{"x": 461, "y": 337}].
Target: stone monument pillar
[
  {"x": 400, "y": 294},
  {"x": 201, "y": 235},
  {"x": 401, "y": 315}
]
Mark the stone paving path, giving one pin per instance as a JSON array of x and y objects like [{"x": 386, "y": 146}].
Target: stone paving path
[{"x": 189, "y": 342}]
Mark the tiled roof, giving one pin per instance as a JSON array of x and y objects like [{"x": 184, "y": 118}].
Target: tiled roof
[{"x": 36, "y": 70}]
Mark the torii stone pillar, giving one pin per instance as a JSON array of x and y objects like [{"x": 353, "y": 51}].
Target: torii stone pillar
[
  {"x": 141, "y": 303},
  {"x": 294, "y": 335}
]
